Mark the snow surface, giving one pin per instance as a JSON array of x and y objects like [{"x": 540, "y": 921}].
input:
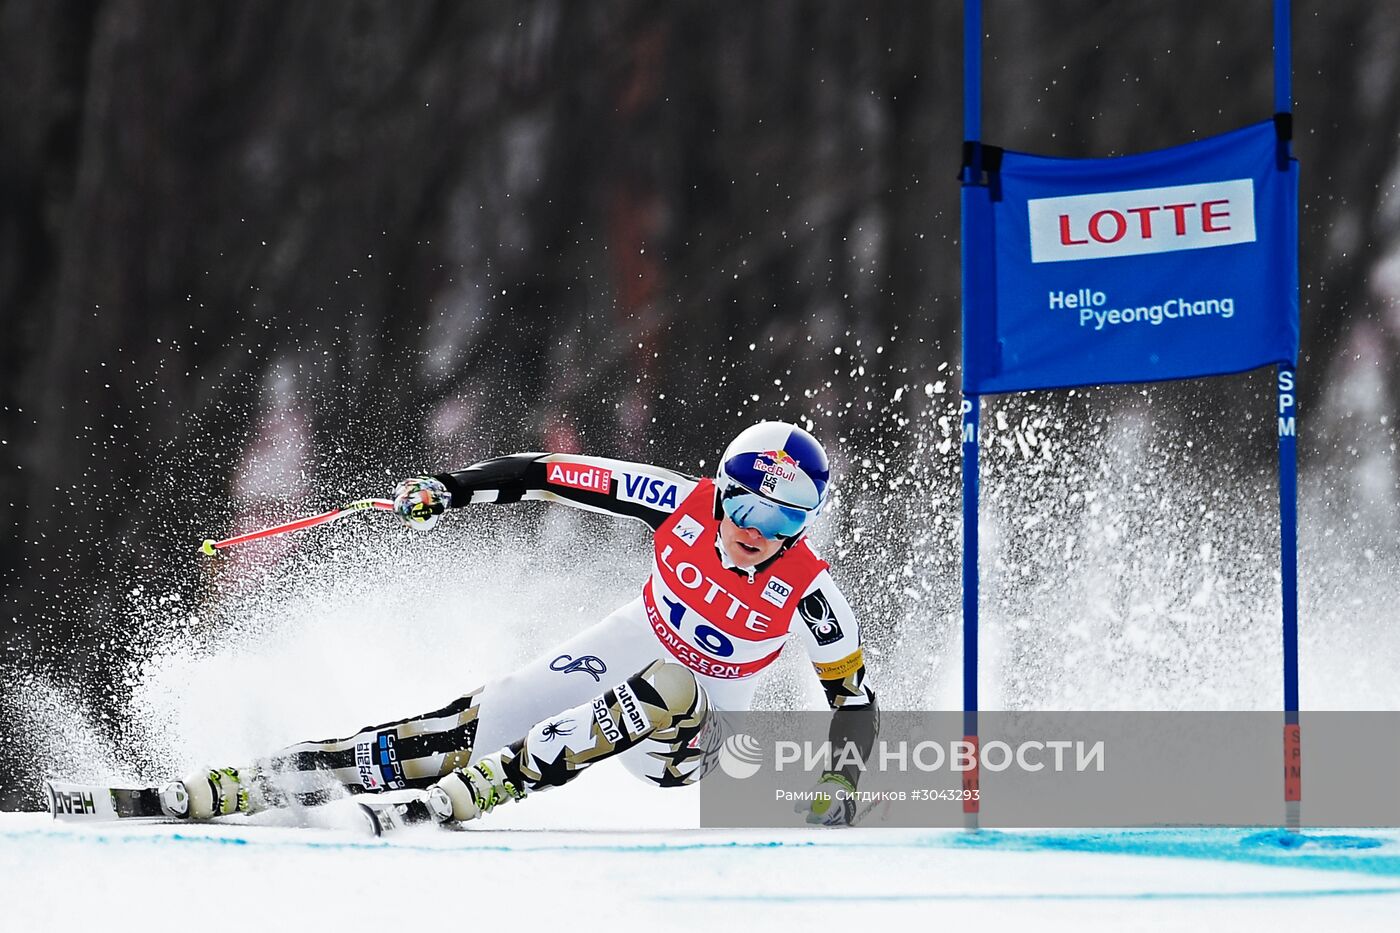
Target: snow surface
[{"x": 592, "y": 875}]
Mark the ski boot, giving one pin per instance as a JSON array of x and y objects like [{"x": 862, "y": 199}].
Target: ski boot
[
  {"x": 215, "y": 792},
  {"x": 468, "y": 792}
]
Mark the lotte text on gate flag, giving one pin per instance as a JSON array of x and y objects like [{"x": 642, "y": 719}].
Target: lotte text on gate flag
[{"x": 1166, "y": 265}]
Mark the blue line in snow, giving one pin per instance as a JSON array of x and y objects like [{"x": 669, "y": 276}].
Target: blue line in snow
[
  {"x": 816, "y": 897},
  {"x": 1376, "y": 855},
  {"x": 1371, "y": 855},
  {"x": 399, "y": 844}
]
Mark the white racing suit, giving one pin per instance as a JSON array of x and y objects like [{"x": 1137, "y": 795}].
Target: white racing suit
[{"x": 649, "y": 682}]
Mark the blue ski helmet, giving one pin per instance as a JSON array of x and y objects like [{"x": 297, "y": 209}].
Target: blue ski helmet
[{"x": 773, "y": 477}]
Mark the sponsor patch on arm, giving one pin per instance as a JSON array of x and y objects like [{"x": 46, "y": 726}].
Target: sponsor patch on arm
[
  {"x": 840, "y": 670},
  {"x": 847, "y": 690},
  {"x": 614, "y": 487}
]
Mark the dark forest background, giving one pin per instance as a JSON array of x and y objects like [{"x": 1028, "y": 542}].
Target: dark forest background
[{"x": 260, "y": 257}]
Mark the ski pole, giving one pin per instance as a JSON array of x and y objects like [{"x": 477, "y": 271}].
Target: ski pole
[{"x": 210, "y": 546}]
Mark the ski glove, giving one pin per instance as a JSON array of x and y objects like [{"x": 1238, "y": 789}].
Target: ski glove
[
  {"x": 833, "y": 801},
  {"x": 420, "y": 501}
]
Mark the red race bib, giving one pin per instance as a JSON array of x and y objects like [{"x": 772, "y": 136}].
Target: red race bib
[{"x": 714, "y": 620}]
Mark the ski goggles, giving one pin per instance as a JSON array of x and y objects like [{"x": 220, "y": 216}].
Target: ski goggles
[{"x": 750, "y": 510}]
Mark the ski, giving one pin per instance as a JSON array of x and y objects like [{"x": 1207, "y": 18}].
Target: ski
[
  {"x": 97, "y": 803},
  {"x": 397, "y": 810},
  {"x": 74, "y": 802}
]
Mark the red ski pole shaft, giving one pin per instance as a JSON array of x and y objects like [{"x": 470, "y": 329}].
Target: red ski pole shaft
[{"x": 210, "y": 546}]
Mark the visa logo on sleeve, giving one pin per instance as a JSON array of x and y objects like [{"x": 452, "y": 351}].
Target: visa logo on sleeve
[{"x": 647, "y": 490}]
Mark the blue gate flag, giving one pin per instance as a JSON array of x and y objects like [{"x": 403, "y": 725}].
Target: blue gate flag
[{"x": 1165, "y": 265}]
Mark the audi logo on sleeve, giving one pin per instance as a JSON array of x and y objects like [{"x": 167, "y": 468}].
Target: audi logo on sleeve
[{"x": 580, "y": 476}]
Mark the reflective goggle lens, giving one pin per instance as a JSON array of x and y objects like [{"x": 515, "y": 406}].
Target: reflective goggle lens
[{"x": 768, "y": 518}]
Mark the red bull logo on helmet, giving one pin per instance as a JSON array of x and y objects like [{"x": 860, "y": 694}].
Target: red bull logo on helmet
[{"x": 777, "y": 464}]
